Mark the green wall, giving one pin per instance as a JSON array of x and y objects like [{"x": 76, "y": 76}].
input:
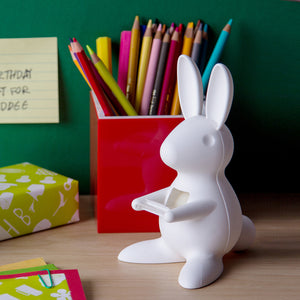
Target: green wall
[{"x": 262, "y": 54}]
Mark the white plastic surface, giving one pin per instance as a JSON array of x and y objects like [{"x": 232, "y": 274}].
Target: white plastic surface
[{"x": 199, "y": 214}]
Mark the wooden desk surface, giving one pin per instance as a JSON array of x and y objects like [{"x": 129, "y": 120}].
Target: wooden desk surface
[{"x": 270, "y": 270}]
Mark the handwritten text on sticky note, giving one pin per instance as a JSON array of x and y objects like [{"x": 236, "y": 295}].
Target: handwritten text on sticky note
[{"x": 29, "y": 80}]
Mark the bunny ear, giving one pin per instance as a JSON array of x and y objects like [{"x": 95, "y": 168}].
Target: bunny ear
[
  {"x": 219, "y": 95},
  {"x": 190, "y": 87}
]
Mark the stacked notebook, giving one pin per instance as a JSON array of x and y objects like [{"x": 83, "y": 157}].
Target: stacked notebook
[{"x": 35, "y": 279}]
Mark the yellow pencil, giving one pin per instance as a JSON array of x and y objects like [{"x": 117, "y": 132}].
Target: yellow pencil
[
  {"x": 111, "y": 83},
  {"x": 187, "y": 50},
  {"x": 143, "y": 65},
  {"x": 103, "y": 49},
  {"x": 133, "y": 60}
]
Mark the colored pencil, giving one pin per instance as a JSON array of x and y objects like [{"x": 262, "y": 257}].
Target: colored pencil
[
  {"x": 180, "y": 29},
  {"x": 188, "y": 39},
  {"x": 172, "y": 28},
  {"x": 111, "y": 83},
  {"x": 133, "y": 60},
  {"x": 143, "y": 65},
  {"x": 107, "y": 93},
  {"x": 196, "y": 50},
  {"x": 203, "y": 50},
  {"x": 186, "y": 49},
  {"x": 103, "y": 50},
  {"x": 155, "y": 26},
  {"x": 170, "y": 75},
  {"x": 197, "y": 27},
  {"x": 85, "y": 63},
  {"x": 159, "y": 77},
  {"x": 152, "y": 67},
  {"x": 78, "y": 65},
  {"x": 216, "y": 54},
  {"x": 123, "y": 59}
]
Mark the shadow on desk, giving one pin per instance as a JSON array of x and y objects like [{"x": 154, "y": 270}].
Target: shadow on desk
[
  {"x": 277, "y": 247},
  {"x": 87, "y": 207}
]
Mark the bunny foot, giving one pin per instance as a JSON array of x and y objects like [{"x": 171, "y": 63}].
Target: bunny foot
[
  {"x": 200, "y": 271},
  {"x": 150, "y": 251}
]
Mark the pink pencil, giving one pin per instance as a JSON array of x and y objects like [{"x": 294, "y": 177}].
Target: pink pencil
[
  {"x": 151, "y": 72},
  {"x": 170, "y": 76},
  {"x": 123, "y": 59}
]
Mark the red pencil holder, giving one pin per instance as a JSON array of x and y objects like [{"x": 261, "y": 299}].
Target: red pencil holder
[{"x": 125, "y": 164}]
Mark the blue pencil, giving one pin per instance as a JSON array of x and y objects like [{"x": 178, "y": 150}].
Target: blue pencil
[{"x": 215, "y": 56}]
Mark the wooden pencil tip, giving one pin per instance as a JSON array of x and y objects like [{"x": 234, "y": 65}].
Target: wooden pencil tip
[
  {"x": 89, "y": 49},
  {"x": 190, "y": 25},
  {"x": 76, "y": 47},
  {"x": 230, "y": 22},
  {"x": 136, "y": 23},
  {"x": 149, "y": 23}
]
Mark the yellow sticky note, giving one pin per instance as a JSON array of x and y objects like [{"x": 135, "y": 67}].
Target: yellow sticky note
[
  {"x": 24, "y": 264},
  {"x": 29, "y": 80}
]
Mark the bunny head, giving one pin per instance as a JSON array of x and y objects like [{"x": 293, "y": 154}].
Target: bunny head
[{"x": 201, "y": 143}]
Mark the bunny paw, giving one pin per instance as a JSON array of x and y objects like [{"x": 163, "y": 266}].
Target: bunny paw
[{"x": 150, "y": 251}]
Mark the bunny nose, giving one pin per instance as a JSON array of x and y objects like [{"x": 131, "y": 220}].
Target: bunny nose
[{"x": 208, "y": 140}]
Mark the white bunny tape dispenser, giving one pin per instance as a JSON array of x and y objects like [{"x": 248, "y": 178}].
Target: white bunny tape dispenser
[{"x": 200, "y": 216}]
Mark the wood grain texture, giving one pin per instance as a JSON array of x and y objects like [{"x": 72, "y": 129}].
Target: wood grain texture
[{"x": 269, "y": 270}]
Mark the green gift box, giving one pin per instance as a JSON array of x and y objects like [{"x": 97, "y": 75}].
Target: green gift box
[{"x": 33, "y": 199}]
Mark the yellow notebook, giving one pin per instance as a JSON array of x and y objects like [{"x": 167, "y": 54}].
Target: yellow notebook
[{"x": 24, "y": 264}]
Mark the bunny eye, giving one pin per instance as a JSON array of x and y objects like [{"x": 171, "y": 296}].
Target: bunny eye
[{"x": 208, "y": 140}]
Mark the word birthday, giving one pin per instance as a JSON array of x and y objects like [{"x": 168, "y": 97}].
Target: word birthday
[{"x": 15, "y": 74}]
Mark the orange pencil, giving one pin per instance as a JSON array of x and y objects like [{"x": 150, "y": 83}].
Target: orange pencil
[
  {"x": 186, "y": 49},
  {"x": 133, "y": 60}
]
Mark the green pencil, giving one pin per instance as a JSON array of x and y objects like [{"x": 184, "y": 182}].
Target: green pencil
[{"x": 111, "y": 83}]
